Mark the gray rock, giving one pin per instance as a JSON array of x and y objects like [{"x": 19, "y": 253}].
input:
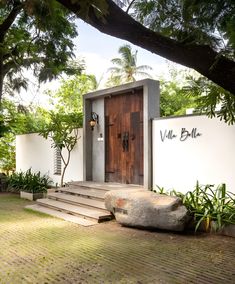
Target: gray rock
[{"x": 143, "y": 208}]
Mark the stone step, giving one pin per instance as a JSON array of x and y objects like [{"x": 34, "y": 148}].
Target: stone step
[
  {"x": 76, "y": 200},
  {"x": 105, "y": 186},
  {"x": 85, "y": 192},
  {"x": 88, "y": 185},
  {"x": 91, "y": 213},
  {"x": 62, "y": 215}
]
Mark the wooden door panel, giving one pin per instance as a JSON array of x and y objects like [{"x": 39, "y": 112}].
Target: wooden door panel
[
  {"x": 124, "y": 117},
  {"x": 113, "y": 141},
  {"x": 136, "y": 151}
]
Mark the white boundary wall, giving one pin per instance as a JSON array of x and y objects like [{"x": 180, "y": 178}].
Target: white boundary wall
[
  {"x": 33, "y": 151},
  {"x": 208, "y": 157}
]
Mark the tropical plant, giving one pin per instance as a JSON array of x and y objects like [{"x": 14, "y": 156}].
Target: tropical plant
[
  {"x": 126, "y": 69},
  {"x": 63, "y": 130},
  {"x": 213, "y": 207},
  {"x": 28, "y": 182}
]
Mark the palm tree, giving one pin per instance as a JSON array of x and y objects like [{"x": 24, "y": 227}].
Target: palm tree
[{"x": 126, "y": 69}]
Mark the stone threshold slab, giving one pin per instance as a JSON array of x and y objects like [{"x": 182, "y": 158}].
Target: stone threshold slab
[
  {"x": 62, "y": 215},
  {"x": 105, "y": 185},
  {"x": 75, "y": 210}
]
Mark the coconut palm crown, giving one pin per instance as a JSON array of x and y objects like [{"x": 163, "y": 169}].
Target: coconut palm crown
[{"x": 126, "y": 69}]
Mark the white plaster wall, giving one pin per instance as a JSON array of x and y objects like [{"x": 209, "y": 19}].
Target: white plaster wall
[
  {"x": 98, "y": 147},
  {"x": 33, "y": 151},
  {"x": 209, "y": 158}
]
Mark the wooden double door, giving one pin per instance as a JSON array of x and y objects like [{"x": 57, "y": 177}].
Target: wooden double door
[{"x": 124, "y": 138}]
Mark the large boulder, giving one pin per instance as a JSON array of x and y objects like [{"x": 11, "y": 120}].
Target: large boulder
[{"x": 143, "y": 208}]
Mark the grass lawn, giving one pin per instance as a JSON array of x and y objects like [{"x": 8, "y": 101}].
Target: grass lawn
[{"x": 36, "y": 248}]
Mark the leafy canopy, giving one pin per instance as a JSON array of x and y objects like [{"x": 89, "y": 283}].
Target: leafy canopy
[
  {"x": 60, "y": 128},
  {"x": 211, "y": 99},
  {"x": 173, "y": 100},
  {"x": 68, "y": 98},
  {"x": 37, "y": 35},
  {"x": 203, "y": 22}
]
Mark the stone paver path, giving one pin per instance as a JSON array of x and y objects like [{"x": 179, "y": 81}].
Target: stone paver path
[{"x": 36, "y": 248}]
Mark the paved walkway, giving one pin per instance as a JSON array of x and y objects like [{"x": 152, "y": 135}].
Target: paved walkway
[{"x": 35, "y": 248}]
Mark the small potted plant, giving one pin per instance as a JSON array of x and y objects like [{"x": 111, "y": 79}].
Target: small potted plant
[{"x": 31, "y": 186}]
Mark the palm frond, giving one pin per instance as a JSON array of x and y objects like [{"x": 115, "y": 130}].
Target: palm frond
[
  {"x": 126, "y": 68},
  {"x": 143, "y": 67}
]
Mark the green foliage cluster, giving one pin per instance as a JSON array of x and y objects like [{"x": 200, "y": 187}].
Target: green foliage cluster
[
  {"x": 7, "y": 152},
  {"x": 213, "y": 206},
  {"x": 173, "y": 98},
  {"x": 203, "y": 22},
  {"x": 29, "y": 182},
  {"x": 36, "y": 35},
  {"x": 208, "y": 204},
  {"x": 187, "y": 90},
  {"x": 3, "y": 182},
  {"x": 60, "y": 129},
  {"x": 68, "y": 98},
  {"x": 16, "y": 119},
  {"x": 211, "y": 99}
]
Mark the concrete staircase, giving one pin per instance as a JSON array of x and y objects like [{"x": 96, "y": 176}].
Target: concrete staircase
[{"x": 81, "y": 203}]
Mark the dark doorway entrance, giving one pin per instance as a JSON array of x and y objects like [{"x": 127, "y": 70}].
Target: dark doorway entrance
[{"x": 124, "y": 138}]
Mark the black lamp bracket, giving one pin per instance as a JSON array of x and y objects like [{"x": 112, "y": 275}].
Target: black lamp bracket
[{"x": 95, "y": 117}]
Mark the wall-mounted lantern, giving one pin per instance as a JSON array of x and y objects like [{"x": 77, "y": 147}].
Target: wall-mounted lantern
[{"x": 94, "y": 120}]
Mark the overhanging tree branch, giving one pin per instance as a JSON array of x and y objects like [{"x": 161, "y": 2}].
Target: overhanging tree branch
[
  {"x": 6, "y": 24},
  {"x": 202, "y": 58}
]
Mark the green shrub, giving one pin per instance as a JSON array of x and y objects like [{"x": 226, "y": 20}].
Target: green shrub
[
  {"x": 29, "y": 182},
  {"x": 207, "y": 204},
  {"x": 3, "y": 182},
  {"x": 213, "y": 206}
]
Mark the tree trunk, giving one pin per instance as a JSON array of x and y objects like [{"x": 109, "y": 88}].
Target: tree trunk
[
  {"x": 62, "y": 175},
  {"x": 4, "y": 27},
  {"x": 66, "y": 163},
  {"x": 202, "y": 58},
  {"x": 1, "y": 79}
]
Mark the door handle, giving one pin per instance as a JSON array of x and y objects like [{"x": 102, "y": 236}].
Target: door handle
[{"x": 125, "y": 141}]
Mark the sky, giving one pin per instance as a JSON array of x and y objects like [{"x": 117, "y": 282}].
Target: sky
[{"x": 97, "y": 49}]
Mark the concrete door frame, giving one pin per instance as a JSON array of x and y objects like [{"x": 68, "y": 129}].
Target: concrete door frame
[{"x": 94, "y": 141}]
